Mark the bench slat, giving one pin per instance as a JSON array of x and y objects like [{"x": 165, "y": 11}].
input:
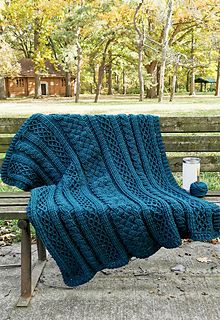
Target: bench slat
[
  {"x": 190, "y": 124},
  {"x": 208, "y": 163},
  {"x": 11, "y": 213},
  {"x": 5, "y": 140},
  {"x": 168, "y": 124},
  {"x": 173, "y": 143},
  {"x": 4, "y": 148},
  {"x": 10, "y": 125},
  {"x": 214, "y": 193},
  {"x": 14, "y": 194},
  {"x": 192, "y": 143},
  {"x": 213, "y": 199},
  {"x": 13, "y": 201}
]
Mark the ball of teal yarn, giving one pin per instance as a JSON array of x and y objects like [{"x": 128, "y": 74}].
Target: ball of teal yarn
[{"x": 198, "y": 189}]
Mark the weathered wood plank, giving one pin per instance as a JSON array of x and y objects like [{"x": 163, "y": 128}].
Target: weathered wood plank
[
  {"x": 19, "y": 194},
  {"x": 13, "y": 201},
  {"x": 190, "y": 124},
  {"x": 4, "y": 143},
  {"x": 5, "y": 140},
  {"x": 6, "y": 209},
  {"x": 4, "y": 148},
  {"x": 214, "y": 193},
  {"x": 11, "y": 213},
  {"x": 181, "y": 143},
  {"x": 208, "y": 163},
  {"x": 172, "y": 143},
  {"x": 10, "y": 125},
  {"x": 15, "y": 194},
  {"x": 168, "y": 124},
  {"x": 213, "y": 199}
]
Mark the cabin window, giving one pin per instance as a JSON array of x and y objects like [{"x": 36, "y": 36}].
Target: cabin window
[
  {"x": 20, "y": 82},
  {"x": 63, "y": 82}
]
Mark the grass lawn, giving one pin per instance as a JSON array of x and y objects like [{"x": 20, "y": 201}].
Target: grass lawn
[{"x": 182, "y": 105}]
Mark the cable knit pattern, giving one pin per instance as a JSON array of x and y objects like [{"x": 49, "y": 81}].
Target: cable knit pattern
[{"x": 102, "y": 191}]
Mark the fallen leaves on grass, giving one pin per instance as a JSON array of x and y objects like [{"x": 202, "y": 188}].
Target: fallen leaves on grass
[
  {"x": 215, "y": 241},
  {"x": 8, "y": 233},
  {"x": 6, "y": 236}
]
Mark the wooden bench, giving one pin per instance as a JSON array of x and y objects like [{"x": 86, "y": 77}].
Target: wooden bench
[
  {"x": 13, "y": 207},
  {"x": 183, "y": 136}
]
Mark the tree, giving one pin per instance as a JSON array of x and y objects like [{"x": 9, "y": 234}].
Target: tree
[
  {"x": 74, "y": 33},
  {"x": 102, "y": 67},
  {"x": 35, "y": 21},
  {"x": 140, "y": 45},
  {"x": 164, "y": 48},
  {"x": 174, "y": 76},
  {"x": 9, "y": 67},
  {"x": 217, "y": 91},
  {"x": 108, "y": 34}
]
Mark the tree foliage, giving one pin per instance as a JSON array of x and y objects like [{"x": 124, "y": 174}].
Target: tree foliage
[{"x": 119, "y": 45}]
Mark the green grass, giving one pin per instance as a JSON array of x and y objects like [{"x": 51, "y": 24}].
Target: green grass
[
  {"x": 5, "y": 188},
  {"x": 183, "y": 105},
  {"x": 211, "y": 178}
]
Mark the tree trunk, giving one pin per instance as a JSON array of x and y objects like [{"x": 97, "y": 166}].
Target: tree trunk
[
  {"x": 109, "y": 80},
  {"x": 79, "y": 62},
  {"x": 140, "y": 71},
  {"x": 140, "y": 46},
  {"x": 158, "y": 79},
  {"x": 164, "y": 49},
  {"x": 117, "y": 82},
  {"x": 94, "y": 75},
  {"x": 192, "y": 91},
  {"x": 187, "y": 80},
  {"x": 217, "y": 90},
  {"x": 152, "y": 70},
  {"x": 100, "y": 79},
  {"x": 102, "y": 70},
  {"x": 2, "y": 88},
  {"x": 173, "y": 87},
  {"x": 124, "y": 82},
  {"x": 174, "y": 78},
  {"x": 37, "y": 79},
  {"x": 68, "y": 92}
]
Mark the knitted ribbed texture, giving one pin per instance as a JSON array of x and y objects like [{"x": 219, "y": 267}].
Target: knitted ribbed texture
[{"x": 102, "y": 191}]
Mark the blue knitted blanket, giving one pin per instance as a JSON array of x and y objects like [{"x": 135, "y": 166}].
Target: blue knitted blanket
[{"x": 102, "y": 191}]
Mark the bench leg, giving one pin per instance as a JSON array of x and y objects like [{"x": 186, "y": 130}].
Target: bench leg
[
  {"x": 24, "y": 225},
  {"x": 41, "y": 251},
  {"x": 29, "y": 279}
]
